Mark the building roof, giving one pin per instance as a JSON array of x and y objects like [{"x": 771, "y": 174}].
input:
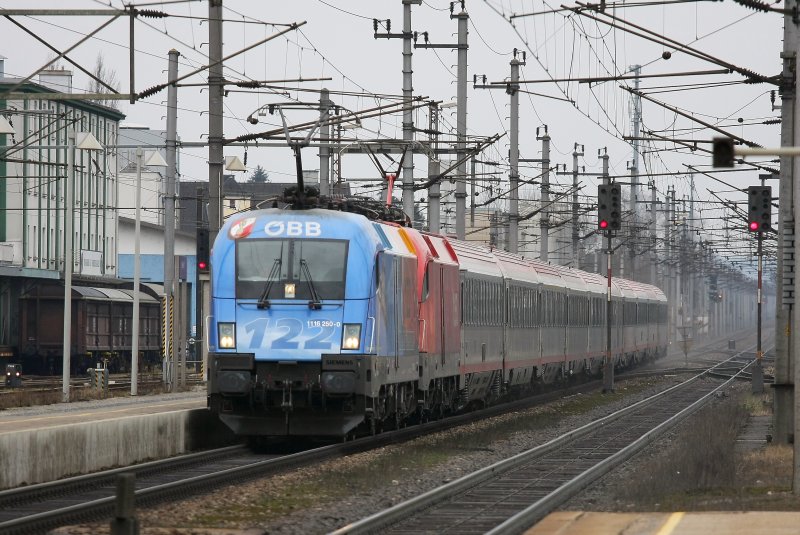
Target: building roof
[{"x": 87, "y": 105}]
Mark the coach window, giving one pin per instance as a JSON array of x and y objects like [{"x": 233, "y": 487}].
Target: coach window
[
  {"x": 425, "y": 288},
  {"x": 474, "y": 299},
  {"x": 496, "y": 304},
  {"x": 464, "y": 303},
  {"x": 481, "y": 310},
  {"x": 549, "y": 309},
  {"x": 492, "y": 304},
  {"x": 545, "y": 309},
  {"x": 483, "y": 303},
  {"x": 487, "y": 303}
]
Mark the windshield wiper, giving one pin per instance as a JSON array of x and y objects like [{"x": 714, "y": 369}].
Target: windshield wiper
[
  {"x": 263, "y": 301},
  {"x": 315, "y": 303}
]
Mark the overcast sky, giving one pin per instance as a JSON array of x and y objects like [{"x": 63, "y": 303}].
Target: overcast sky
[{"x": 337, "y": 42}]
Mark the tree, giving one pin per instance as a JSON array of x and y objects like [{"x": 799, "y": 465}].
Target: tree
[
  {"x": 109, "y": 76},
  {"x": 259, "y": 176}
]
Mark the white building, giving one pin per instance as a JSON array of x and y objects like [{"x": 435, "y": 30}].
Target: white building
[
  {"x": 34, "y": 173},
  {"x": 153, "y": 186}
]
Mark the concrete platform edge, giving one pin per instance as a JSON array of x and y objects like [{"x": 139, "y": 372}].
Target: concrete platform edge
[{"x": 47, "y": 454}]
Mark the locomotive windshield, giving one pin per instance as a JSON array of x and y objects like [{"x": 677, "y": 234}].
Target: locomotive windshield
[{"x": 277, "y": 268}]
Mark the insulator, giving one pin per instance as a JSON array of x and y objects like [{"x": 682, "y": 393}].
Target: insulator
[
  {"x": 150, "y": 13},
  {"x": 151, "y": 91},
  {"x": 754, "y": 4}
]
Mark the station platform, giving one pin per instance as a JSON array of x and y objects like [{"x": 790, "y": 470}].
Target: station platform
[
  {"x": 694, "y": 523},
  {"x": 45, "y": 416},
  {"x": 48, "y": 442}
]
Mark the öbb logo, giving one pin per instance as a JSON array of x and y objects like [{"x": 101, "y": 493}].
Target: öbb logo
[{"x": 292, "y": 228}]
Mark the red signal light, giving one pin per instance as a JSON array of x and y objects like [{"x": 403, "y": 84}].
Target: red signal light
[
  {"x": 753, "y": 226},
  {"x": 603, "y": 224},
  {"x": 202, "y": 266}
]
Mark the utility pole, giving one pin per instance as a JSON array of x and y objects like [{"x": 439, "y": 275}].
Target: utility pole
[
  {"x": 692, "y": 271},
  {"x": 336, "y": 155},
  {"x": 137, "y": 271},
  {"x": 472, "y": 189},
  {"x": 575, "y": 154},
  {"x": 668, "y": 260},
  {"x": 215, "y": 110},
  {"x": 408, "y": 89},
  {"x": 216, "y": 157},
  {"x": 513, "y": 176},
  {"x": 461, "y": 121},
  {"x": 434, "y": 195},
  {"x": 325, "y": 149},
  {"x": 683, "y": 253},
  {"x": 512, "y": 89},
  {"x": 544, "y": 217},
  {"x": 653, "y": 234},
  {"x": 785, "y": 351},
  {"x": 636, "y": 120},
  {"x": 408, "y": 117},
  {"x": 168, "y": 377},
  {"x": 673, "y": 246}
]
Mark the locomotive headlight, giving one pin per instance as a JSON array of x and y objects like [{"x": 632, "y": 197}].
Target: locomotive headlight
[
  {"x": 351, "y": 336},
  {"x": 226, "y": 334}
]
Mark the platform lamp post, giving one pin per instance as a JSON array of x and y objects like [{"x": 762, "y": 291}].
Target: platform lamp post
[
  {"x": 153, "y": 159},
  {"x": 81, "y": 141}
]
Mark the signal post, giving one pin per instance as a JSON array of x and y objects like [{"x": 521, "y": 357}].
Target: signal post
[
  {"x": 759, "y": 219},
  {"x": 203, "y": 296},
  {"x": 609, "y": 219}
]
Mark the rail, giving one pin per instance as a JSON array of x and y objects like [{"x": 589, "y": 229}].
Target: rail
[{"x": 524, "y": 518}]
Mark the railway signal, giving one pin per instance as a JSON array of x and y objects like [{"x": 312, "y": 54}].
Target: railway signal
[
  {"x": 759, "y": 208},
  {"x": 722, "y": 153},
  {"x": 202, "y": 253},
  {"x": 609, "y": 208}
]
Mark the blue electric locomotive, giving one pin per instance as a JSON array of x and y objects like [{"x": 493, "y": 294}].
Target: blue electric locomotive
[{"x": 299, "y": 339}]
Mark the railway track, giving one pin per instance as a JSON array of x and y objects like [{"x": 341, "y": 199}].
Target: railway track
[
  {"x": 118, "y": 382},
  {"x": 510, "y": 496},
  {"x": 89, "y": 498}
]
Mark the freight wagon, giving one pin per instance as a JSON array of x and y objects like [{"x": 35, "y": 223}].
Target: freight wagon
[{"x": 102, "y": 324}]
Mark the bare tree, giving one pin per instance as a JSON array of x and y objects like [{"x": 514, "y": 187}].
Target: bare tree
[{"x": 109, "y": 76}]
